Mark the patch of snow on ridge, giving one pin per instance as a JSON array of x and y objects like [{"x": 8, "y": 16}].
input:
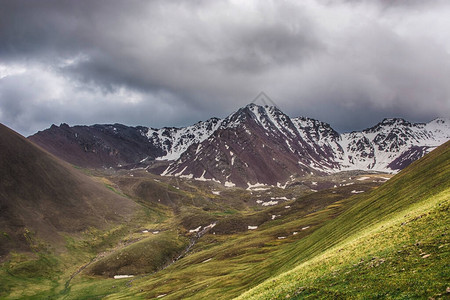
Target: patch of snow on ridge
[
  {"x": 270, "y": 203},
  {"x": 257, "y": 186},
  {"x": 181, "y": 172},
  {"x": 229, "y": 184},
  {"x": 252, "y": 227},
  {"x": 357, "y": 192},
  {"x": 279, "y": 185},
  {"x": 202, "y": 178},
  {"x": 189, "y": 176},
  {"x": 232, "y": 157},
  {"x": 279, "y": 198},
  {"x": 210, "y": 226},
  {"x": 195, "y": 230},
  {"x": 122, "y": 276}
]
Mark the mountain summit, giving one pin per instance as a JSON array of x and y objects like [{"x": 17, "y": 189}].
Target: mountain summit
[{"x": 257, "y": 144}]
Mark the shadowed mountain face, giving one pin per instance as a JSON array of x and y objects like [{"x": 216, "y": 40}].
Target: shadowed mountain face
[
  {"x": 255, "y": 145},
  {"x": 99, "y": 145},
  {"x": 42, "y": 197}
]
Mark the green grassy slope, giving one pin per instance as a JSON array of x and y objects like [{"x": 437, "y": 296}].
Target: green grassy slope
[
  {"x": 222, "y": 266},
  {"x": 392, "y": 243},
  {"x": 46, "y": 274}
]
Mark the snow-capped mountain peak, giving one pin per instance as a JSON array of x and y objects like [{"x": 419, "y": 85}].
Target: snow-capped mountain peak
[
  {"x": 254, "y": 145},
  {"x": 174, "y": 141},
  {"x": 264, "y": 139}
]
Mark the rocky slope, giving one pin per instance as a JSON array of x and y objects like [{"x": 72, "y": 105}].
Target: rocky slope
[
  {"x": 261, "y": 145},
  {"x": 255, "y": 145}
]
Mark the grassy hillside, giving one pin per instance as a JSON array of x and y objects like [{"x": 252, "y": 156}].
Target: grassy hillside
[
  {"x": 392, "y": 243},
  {"x": 43, "y": 198},
  {"x": 52, "y": 218}
]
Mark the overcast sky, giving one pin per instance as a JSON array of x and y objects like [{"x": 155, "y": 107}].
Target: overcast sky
[{"x": 172, "y": 63}]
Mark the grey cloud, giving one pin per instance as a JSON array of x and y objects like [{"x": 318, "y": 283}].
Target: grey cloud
[
  {"x": 191, "y": 60},
  {"x": 390, "y": 3}
]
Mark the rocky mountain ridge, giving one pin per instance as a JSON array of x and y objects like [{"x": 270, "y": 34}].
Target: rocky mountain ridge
[{"x": 252, "y": 146}]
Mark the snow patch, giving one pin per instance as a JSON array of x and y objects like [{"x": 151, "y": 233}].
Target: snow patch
[
  {"x": 210, "y": 226},
  {"x": 188, "y": 176},
  {"x": 281, "y": 186},
  {"x": 179, "y": 173},
  {"x": 257, "y": 187},
  {"x": 229, "y": 184},
  {"x": 252, "y": 227},
  {"x": 270, "y": 203},
  {"x": 202, "y": 178},
  {"x": 195, "y": 230},
  {"x": 357, "y": 192},
  {"x": 279, "y": 198},
  {"x": 122, "y": 276}
]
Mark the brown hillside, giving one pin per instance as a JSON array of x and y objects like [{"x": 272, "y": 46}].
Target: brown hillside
[{"x": 42, "y": 196}]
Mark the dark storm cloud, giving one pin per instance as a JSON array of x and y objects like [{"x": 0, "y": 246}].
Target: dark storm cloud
[{"x": 160, "y": 63}]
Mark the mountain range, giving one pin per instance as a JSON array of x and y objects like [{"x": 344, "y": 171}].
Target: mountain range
[
  {"x": 256, "y": 145},
  {"x": 66, "y": 233}
]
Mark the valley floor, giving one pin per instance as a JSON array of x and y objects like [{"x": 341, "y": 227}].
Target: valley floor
[{"x": 355, "y": 237}]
